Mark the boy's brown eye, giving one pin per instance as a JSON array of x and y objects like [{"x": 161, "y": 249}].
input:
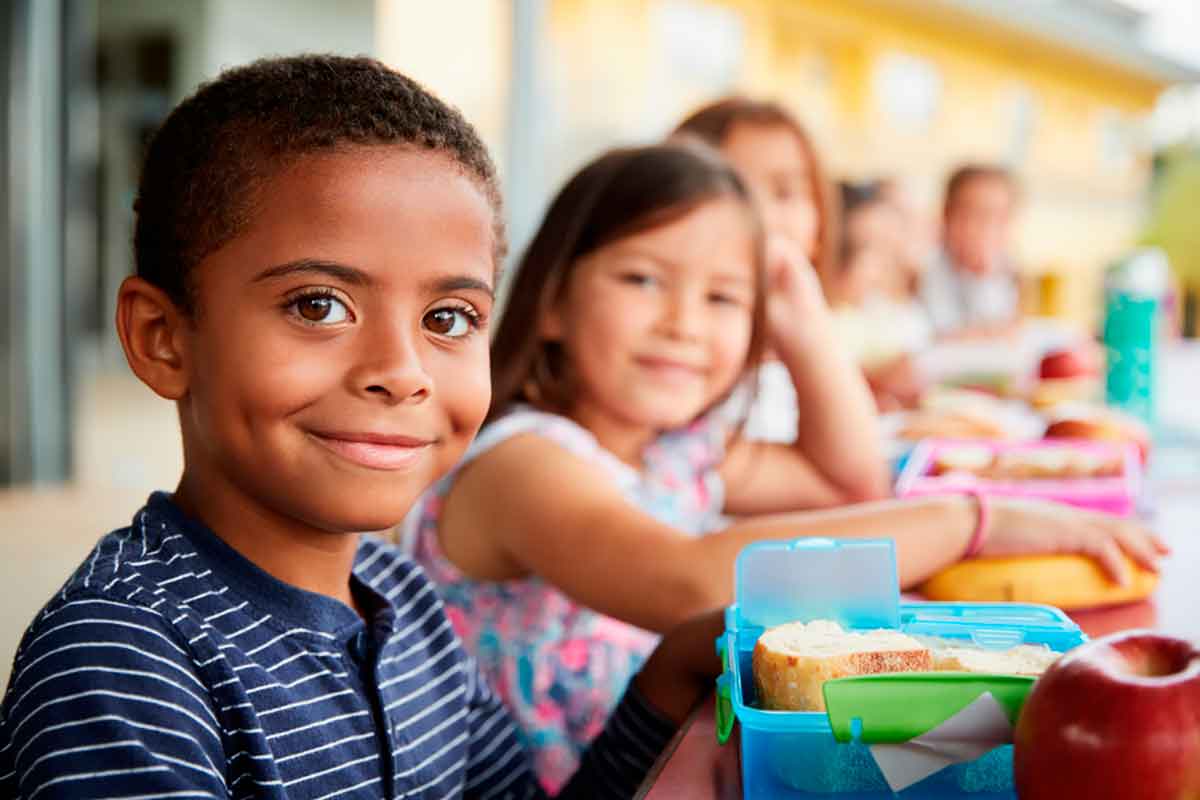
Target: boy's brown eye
[
  {"x": 314, "y": 309},
  {"x": 440, "y": 321},
  {"x": 451, "y": 322},
  {"x": 320, "y": 309}
]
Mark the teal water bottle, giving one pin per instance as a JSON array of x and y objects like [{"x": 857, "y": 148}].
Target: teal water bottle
[{"x": 1133, "y": 290}]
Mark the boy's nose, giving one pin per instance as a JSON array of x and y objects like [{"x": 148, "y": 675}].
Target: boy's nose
[{"x": 391, "y": 370}]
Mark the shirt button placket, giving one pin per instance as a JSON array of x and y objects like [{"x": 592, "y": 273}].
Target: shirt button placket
[{"x": 394, "y": 729}]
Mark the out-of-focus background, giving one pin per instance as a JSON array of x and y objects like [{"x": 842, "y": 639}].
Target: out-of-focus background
[{"x": 1093, "y": 104}]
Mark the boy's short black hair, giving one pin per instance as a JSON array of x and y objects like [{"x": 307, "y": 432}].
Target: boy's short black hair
[
  {"x": 967, "y": 173},
  {"x": 205, "y": 163},
  {"x": 854, "y": 197}
]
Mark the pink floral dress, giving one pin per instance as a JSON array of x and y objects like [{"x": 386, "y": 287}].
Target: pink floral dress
[{"x": 560, "y": 666}]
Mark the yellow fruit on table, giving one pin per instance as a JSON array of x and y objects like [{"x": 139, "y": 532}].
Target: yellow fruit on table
[{"x": 1065, "y": 581}]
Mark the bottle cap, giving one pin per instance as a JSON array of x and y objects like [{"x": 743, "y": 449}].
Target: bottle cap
[{"x": 1144, "y": 273}]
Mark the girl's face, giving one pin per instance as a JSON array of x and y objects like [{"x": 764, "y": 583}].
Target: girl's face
[
  {"x": 657, "y": 326},
  {"x": 776, "y": 168},
  {"x": 337, "y": 363}
]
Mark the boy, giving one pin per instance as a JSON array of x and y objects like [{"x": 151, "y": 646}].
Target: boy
[
  {"x": 316, "y": 242},
  {"x": 969, "y": 290}
]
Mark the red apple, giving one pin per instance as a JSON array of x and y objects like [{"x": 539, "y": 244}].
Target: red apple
[
  {"x": 1067, "y": 364},
  {"x": 1117, "y": 718}
]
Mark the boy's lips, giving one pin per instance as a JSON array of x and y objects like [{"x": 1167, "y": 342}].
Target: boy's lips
[{"x": 375, "y": 450}]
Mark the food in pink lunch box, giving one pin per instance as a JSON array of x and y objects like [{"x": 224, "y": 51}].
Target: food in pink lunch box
[
  {"x": 791, "y": 662},
  {"x": 1102, "y": 476},
  {"x": 1058, "y": 463}
]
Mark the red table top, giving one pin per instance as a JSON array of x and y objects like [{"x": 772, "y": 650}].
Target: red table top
[{"x": 699, "y": 769}]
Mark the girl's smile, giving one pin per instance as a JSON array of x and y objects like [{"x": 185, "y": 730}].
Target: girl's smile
[
  {"x": 670, "y": 370},
  {"x": 658, "y": 324}
]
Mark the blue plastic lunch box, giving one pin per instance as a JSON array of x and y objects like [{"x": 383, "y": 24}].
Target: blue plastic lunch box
[{"x": 793, "y": 754}]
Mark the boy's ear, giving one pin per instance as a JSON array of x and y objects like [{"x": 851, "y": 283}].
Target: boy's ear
[{"x": 151, "y": 328}]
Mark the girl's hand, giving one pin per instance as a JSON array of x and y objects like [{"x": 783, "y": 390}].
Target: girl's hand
[
  {"x": 1024, "y": 527},
  {"x": 796, "y": 304}
]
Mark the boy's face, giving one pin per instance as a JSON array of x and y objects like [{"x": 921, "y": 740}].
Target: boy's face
[
  {"x": 978, "y": 224},
  {"x": 337, "y": 364}
]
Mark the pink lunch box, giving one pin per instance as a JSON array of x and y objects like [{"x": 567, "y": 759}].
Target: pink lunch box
[{"x": 1115, "y": 494}]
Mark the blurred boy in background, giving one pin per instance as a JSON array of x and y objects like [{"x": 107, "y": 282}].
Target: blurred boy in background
[{"x": 970, "y": 289}]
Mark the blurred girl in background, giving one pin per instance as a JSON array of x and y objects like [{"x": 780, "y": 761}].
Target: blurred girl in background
[{"x": 775, "y": 157}]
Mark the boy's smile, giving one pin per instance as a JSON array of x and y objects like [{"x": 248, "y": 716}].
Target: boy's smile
[
  {"x": 336, "y": 363},
  {"x": 375, "y": 450}
]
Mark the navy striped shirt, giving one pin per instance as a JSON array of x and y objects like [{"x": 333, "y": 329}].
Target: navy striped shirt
[{"x": 169, "y": 666}]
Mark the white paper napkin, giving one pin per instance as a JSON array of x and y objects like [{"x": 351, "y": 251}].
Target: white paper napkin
[{"x": 966, "y": 736}]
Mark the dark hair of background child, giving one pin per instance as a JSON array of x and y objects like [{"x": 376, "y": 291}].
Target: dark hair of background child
[
  {"x": 206, "y": 166},
  {"x": 967, "y": 173},
  {"x": 854, "y": 196}
]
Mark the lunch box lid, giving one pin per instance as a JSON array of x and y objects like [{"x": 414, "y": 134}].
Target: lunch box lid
[{"x": 851, "y": 581}]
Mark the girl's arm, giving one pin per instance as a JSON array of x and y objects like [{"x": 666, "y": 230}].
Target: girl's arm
[
  {"x": 837, "y": 457},
  {"x": 530, "y": 507}
]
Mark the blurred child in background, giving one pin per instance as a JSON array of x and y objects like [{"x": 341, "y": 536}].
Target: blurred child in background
[
  {"x": 916, "y": 240},
  {"x": 880, "y": 331},
  {"x": 970, "y": 290},
  {"x": 776, "y": 158}
]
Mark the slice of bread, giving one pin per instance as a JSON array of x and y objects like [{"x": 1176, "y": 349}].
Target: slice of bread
[
  {"x": 793, "y": 661},
  {"x": 1025, "y": 659}
]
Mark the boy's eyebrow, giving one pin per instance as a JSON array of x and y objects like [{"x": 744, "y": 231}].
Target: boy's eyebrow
[
  {"x": 358, "y": 277},
  {"x": 458, "y": 283},
  {"x": 314, "y": 266}
]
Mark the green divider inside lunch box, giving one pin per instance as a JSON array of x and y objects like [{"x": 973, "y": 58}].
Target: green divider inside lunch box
[
  {"x": 900, "y": 706},
  {"x": 725, "y": 716}
]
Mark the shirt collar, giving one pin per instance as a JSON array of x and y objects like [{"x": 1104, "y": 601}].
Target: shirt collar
[{"x": 289, "y": 604}]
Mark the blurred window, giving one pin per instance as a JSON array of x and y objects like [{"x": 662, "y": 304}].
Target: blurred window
[{"x": 907, "y": 90}]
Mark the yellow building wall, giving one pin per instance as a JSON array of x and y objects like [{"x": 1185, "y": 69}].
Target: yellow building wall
[
  {"x": 458, "y": 50},
  {"x": 625, "y": 71}
]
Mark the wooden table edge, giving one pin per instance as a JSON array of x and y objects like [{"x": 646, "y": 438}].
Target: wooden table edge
[{"x": 660, "y": 763}]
